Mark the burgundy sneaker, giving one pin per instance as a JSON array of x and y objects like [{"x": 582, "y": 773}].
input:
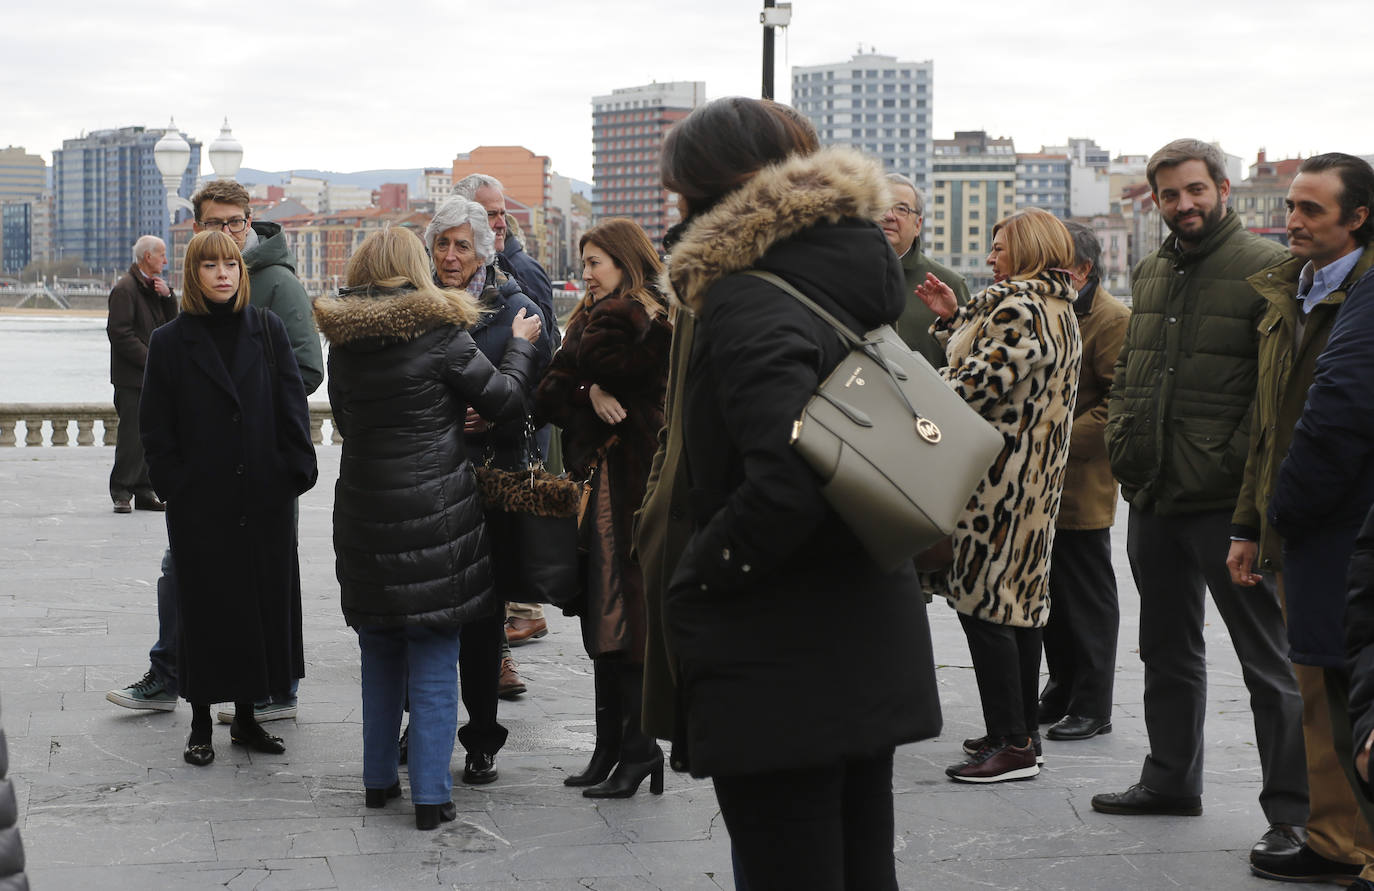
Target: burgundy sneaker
[{"x": 996, "y": 764}]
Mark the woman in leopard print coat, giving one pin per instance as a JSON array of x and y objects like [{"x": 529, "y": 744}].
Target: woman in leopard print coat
[{"x": 1014, "y": 353}]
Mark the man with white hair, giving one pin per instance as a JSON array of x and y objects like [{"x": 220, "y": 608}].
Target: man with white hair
[
  {"x": 524, "y": 621},
  {"x": 139, "y": 302},
  {"x": 512, "y": 257}
]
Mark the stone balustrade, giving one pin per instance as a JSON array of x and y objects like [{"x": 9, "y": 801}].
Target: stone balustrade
[{"x": 56, "y": 420}]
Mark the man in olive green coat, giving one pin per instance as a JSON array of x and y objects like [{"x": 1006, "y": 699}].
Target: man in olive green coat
[
  {"x": 1178, "y": 428},
  {"x": 1329, "y": 229},
  {"x": 902, "y": 224}
]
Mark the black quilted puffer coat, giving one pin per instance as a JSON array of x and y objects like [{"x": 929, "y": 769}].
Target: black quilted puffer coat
[{"x": 410, "y": 545}]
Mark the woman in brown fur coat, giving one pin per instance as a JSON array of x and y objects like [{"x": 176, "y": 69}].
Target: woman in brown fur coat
[{"x": 605, "y": 388}]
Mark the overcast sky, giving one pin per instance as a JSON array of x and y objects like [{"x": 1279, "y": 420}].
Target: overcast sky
[{"x": 347, "y": 85}]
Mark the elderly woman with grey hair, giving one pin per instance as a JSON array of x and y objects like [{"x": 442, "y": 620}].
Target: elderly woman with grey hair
[{"x": 462, "y": 247}]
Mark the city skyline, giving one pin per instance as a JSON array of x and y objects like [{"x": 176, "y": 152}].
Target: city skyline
[{"x": 1051, "y": 70}]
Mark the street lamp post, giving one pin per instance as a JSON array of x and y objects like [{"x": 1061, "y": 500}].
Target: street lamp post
[
  {"x": 172, "y": 154},
  {"x": 226, "y": 153},
  {"x": 775, "y": 15}
]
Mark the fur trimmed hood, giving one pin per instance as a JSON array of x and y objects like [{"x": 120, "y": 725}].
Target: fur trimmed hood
[
  {"x": 776, "y": 204},
  {"x": 395, "y": 315}
]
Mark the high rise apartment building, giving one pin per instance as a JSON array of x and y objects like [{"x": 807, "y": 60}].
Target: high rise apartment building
[
  {"x": 525, "y": 176},
  {"x": 875, "y": 103},
  {"x": 974, "y": 179},
  {"x": 108, "y": 192},
  {"x": 1042, "y": 180},
  {"x": 628, "y": 126},
  {"x": 22, "y": 176}
]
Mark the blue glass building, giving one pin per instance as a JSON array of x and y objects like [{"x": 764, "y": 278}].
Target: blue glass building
[{"x": 108, "y": 192}]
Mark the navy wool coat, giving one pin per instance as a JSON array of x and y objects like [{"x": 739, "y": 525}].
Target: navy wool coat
[{"x": 229, "y": 450}]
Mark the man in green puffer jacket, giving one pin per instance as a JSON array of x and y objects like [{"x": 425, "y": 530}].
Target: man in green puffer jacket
[{"x": 1178, "y": 429}]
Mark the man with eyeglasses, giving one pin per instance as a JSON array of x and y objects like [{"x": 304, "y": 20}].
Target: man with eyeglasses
[
  {"x": 902, "y": 223},
  {"x": 510, "y": 253},
  {"x": 224, "y": 205},
  {"x": 524, "y": 621}
]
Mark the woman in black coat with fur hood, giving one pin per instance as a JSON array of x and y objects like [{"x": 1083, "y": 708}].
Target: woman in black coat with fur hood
[
  {"x": 793, "y": 696},
  {"x": 410, "y": 546}
]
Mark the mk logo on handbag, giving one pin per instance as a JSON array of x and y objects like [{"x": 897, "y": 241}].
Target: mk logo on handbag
[
  {"x": 854, "y": 378},
  {"x": 927, "y": 430}
]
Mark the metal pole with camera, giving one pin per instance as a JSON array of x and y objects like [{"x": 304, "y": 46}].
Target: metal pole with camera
[{"x": 774, "y": 15}]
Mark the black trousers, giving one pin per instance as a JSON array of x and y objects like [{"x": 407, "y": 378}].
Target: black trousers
[
  {"x": 130, "y": 474},
  {"x": 823, "y": 829},
  {"x": 479, "y": 670},
  {"x": 1006, "y": 662},
  {"x": 1080, "y": 638},
  {"x": 1176, "y": 560}
]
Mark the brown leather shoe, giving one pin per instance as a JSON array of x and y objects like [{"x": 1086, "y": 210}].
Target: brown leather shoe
[
  {"x": 509, "y": 685},
  {"x": 520, "y": 631},
  {"x": 122, "y": 506},
  {"x": 149, "y": 502}
]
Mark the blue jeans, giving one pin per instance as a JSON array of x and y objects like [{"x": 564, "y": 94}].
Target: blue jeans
[{"x": 421, "y": 663}]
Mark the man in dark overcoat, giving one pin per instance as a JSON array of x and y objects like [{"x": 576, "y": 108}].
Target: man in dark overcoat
[{"x": 139, "y": 302}]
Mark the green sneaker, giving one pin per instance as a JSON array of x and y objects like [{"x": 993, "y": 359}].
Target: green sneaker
[
  {"x": 147, "y": 693},
  {"x": 263, "y": 711}
]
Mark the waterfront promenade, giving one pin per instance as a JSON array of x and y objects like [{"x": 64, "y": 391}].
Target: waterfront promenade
[{"x": 106, "y": 802}]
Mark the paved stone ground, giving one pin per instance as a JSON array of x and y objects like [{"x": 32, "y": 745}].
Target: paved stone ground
[{"x": 105, "y": 800}]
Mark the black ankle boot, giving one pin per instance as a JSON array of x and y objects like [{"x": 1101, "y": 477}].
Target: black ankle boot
[
  {"x": 608, "y": 726},
  {"x": 429, "y": 816},
  {"x": 379, "y": 797},
  {"x": 625, "y": 779},
  {"x": 640, "y": 755}
]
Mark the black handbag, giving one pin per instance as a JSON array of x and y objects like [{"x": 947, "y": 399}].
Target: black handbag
[{"x": 532, "y": 524}]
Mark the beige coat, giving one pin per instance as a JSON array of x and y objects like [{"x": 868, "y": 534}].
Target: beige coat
[{"x": 1089, "y": 489}]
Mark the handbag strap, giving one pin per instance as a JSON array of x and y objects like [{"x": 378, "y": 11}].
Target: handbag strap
[
  {"x": 846, "y": 333},
  {"x": 778, "y": 281}
]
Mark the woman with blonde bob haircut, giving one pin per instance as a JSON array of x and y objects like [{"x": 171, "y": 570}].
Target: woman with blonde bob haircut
[
  {"x": 226, "y": 430},
  {"x": 411, "y": 549},
  {"x": 1014, "y": 354},
  {"x": 1035, "y": 241}
]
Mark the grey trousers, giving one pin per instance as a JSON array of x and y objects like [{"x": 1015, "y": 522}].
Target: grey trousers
[
  {"x": 1173, "y": 558},
  {"x": 130, "y": 474}
]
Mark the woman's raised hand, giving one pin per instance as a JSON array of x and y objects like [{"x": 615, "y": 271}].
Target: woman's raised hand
[
  {"x": 526, "y": 327},
  {"x": 938, "y": 296}
]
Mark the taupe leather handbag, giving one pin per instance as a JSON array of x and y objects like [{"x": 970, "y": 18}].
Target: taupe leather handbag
[{"x": 898, "y": 451}]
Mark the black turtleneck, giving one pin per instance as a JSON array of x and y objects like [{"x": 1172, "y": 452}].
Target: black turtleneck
[{"x": 223, "y": 324}]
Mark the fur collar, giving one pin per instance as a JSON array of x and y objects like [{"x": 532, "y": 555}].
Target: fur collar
[
  {"x": 776, "y": 204},
  {"x": 1050, "y": 283},
  {"x": 403, "y": 315}
]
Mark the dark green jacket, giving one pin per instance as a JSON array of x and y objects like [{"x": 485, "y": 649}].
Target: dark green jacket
[
  {"x": 1178, "y": 420},
  {"x": 273, "y": 285},
  {"x": 914, "y": 325},
  {"x": 1285, "y": 374}
]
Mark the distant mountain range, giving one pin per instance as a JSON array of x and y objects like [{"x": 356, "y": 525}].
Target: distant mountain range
[{"x": 367, "y": 179}]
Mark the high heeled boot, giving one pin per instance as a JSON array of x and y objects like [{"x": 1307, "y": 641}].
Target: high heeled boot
[
  {"x": 608, "y": 726},
  {"x": 640, "y": 755}
]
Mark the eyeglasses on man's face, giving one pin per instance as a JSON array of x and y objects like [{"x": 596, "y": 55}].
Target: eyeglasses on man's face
[
  {"x": 902, "y": 210},
  {"x": 236, "y": 225}
]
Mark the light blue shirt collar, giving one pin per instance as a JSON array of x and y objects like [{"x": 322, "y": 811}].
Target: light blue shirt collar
[{"x": 1319, "y": 283}]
